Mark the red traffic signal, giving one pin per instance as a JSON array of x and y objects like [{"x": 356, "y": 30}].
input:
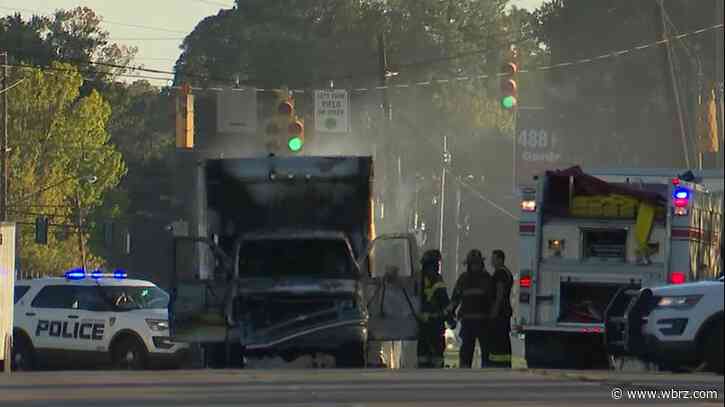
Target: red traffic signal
[
  {"x": 509, "y": 69},
  {"x": 295, "y": 128},
  {"x": 509, "y": 87},
  {"x": 285, "y": 108}
]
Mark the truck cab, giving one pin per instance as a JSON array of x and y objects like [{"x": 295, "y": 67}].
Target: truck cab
[{"x": 288, "y": 280}]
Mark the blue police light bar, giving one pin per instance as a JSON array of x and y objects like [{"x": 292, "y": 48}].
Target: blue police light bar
[
  {"x": 75, "y": 274},
  {"x": 80, "y": 274},
  {"x": 681, "y": 193}
]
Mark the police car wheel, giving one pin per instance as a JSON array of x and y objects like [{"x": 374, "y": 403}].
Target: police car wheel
[
  {"x": 22, "y": 355},
  {"x": 129, "y": 354}
]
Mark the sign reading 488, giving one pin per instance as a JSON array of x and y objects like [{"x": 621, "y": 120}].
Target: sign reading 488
[{"x": 536, "y": 138}]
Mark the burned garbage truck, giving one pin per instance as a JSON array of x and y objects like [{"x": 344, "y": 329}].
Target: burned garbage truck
[{"x": 284, "y": 263}]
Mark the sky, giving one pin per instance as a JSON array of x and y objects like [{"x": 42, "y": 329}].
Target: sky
[{"x": 165, "y": 22}]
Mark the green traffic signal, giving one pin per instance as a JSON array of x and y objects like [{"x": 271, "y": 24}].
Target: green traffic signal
[
  {"x": 508, "y": 102},
  {"x": 295, "y": 144}
]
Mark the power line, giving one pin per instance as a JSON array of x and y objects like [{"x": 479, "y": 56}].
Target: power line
[
  {"x": 97, "y": 63},
  {"x": 103, "y": 21},
  {"x": 138, "y": 68},
  {"x": 83, "y": 71},
  {"x": 610, "y": 55},
  {"x": 11, "y": 86}
]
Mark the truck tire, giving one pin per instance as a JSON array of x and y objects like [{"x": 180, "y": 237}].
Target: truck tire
[
  {"x": 714, "y": 348},
  {"x": 129, "y": 354},
  {"x": 23, "y": 355},
  {"x": 351, "y": 355}
]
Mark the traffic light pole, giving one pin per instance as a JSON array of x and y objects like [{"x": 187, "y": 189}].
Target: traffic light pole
[
  {"x": 389, "y": 150},
  {"x": 81, "y": 242},
  {"x": 443, "y": 193},
  {"x": 675, "y": 87}
]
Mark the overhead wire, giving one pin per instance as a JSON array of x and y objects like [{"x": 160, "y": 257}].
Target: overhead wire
[
  {"x": 612, "y": 54},
  {"x": 12, "y": 86},
  {"x": 103, "y": 21},
  {"x": 609, "y": 55},
  {"x": 542, "y": 68},
  {"x": 83, "y": 71}
]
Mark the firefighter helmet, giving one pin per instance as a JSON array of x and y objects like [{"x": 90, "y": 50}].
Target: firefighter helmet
[
  {"x": 474, "y": 257},
  {"x": 432, "y": 256}
]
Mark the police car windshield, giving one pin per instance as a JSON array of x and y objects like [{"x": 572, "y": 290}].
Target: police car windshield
[{"x": 134, "y": 297}]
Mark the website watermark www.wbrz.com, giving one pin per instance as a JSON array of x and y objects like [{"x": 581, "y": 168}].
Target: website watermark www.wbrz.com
[{"x": 619, "y": 393}]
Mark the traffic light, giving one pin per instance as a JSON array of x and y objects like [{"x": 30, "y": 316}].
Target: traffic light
[
  {"x": 295, "y": 127},
  {"x": 296, "y": 134},
  {"x": 41, "y": 230},
  {"x": 185, "y": 118},
  {"x": 509, "y": 88}
]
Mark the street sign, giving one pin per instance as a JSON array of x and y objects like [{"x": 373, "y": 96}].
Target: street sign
[
  {"x": 332, "y": 111},
  {"x": 237, "y": 111},
  {"x": 539, "y": 144}
]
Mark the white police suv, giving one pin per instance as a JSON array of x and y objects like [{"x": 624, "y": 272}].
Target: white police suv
[
  {"x": 674, "y": 326},
  {"x": 92, "y": 319}
]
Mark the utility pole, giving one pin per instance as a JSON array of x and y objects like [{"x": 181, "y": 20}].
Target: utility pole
[
  {"x": 675, "y": 87},
  {"x": 4, "y": 142},
  {"x": 383, "y": 66},
  {"x": 81, "y": 242},
  {"x": 458, "y": 228},
  {"x": 389, "y": 150},
  {"x": 444, "y": 169}
]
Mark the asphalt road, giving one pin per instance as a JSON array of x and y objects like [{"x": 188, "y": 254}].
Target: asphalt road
[{"x": 319, "y": 388}]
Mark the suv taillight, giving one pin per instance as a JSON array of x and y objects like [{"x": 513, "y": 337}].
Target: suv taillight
[{"x": 677, "y": 277}]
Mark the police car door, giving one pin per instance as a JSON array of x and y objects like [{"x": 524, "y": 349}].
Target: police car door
[
  {"x": 94, "y": 315},
  {"x": 393, "y": 289},
  {"x": 54, "y": 317}
]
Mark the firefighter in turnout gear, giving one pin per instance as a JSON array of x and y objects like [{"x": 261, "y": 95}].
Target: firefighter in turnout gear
[
  {"x": 431, "y": 327},
  {"x": 500, "y": 346},
  {"x": 474, "y": 294}
]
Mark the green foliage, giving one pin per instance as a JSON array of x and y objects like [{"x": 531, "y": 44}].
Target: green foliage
[
  {"x": 74, "y": 36},
  {"x": 135, "y": 121},
  {"x": 58, "y": 139},
  {"x": 625, "y": 105},
  {"x": 305, "y": 43}
]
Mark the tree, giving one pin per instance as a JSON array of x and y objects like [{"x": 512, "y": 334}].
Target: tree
[
  {"x": 141, "y": 127},
  {"x": 58, "y": 139},
  {"x": 625, "y": 105},
  {"x": 72, "y": 36}
]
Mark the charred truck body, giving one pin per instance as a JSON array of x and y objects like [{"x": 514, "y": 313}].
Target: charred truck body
[{"x": 282, "y": 263}]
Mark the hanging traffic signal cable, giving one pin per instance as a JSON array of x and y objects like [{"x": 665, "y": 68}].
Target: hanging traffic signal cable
[{"x": 541, "y": 68}]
